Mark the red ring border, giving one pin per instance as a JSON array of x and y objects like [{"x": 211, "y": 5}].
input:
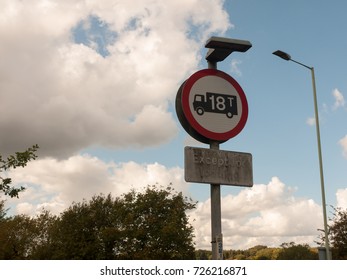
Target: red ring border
[{"x": 189, "y": 116}]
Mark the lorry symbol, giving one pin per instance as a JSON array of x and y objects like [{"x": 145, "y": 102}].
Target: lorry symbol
[{"x": 215, "y": 103}]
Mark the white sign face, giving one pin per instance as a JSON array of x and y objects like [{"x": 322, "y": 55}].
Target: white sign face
[{"x": 214, "y": 104}]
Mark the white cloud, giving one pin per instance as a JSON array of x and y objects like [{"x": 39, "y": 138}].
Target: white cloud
[
  {"x": 25, "y": 208},
  {"x": 343, "y": 143},
  {"x": 235, "y": 67},
  {"x": 65, "y": 96},
  {"x": 339, "y": 99},
  {"x": 341, "y": 197},
  {"x": 265, "y": 214},
  {"x": 311, "y": 121},
  {"x": 54, "y": 185}
]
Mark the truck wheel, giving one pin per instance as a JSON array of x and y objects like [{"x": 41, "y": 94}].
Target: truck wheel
[
  {"x": 230, "y": 115},
  {"x": 200, "y": 111}
]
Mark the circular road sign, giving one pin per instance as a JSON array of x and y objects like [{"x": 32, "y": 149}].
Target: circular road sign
[{"x": 211, "y": 105}]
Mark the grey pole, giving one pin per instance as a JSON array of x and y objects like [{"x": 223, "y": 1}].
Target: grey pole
[
  {"x": 320, "y": 159},
  {"x": 216, "y": 217},
  {"x": 216, "y": 212},
  {"x": 328, "y": 254},
  {"x": 219, "y": 49},
  {"x": 287, "y": 57}
]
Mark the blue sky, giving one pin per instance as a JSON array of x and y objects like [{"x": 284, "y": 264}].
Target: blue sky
[
  {"x": 280, "y": 94},
  {"x": 98, "y": 84},
  {"x": 309, "y": 31}
]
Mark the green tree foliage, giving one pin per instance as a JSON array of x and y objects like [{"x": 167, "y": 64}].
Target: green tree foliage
[
  {"x": 337, "y": 234},
  {"x": 258, "y": 252},
  {"x": 203, "y": 254},
  {"x": 157, "y": 225},
  {"x": 16, "y": 235},
  {"x": 292, "y": 251},
  {"x": 287, "y": 251},
  {"x": 151, "y": 224},
  {"x": 23, "y": 237},
  {"x": 20, "y": 159},
  {"x": 2, "y": 210},
  {"x": 81, "y": 231},
  {"x": 267, "y": 254}
]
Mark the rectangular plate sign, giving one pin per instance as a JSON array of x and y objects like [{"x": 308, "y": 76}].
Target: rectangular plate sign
[{"x": 218, "y": 167}]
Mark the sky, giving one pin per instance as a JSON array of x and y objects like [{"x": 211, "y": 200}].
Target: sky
[{"x": 94, "y": 83}]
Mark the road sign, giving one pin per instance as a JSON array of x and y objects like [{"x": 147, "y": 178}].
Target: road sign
[
  {"x": 218, "y": 167},
  {"x": 211, "y": 105}
]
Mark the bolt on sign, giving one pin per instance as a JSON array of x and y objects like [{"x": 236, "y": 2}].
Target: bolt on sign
[{"x": 218, "y": 167}]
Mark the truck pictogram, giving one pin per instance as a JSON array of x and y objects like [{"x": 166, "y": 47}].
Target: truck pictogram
[{"x": 215, "y": 103}]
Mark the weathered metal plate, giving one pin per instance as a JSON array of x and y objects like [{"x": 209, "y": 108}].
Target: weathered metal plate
[{"x": 218, "y": 167}]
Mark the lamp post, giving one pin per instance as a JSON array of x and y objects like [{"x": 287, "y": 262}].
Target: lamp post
[{"x": 287, "y": 57}]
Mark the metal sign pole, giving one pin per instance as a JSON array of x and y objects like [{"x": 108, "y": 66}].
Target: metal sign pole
[
  {"x": 216, "y": 213},
  {"x": 216, "y": 217},
  {"x": 204, "y": 92}
]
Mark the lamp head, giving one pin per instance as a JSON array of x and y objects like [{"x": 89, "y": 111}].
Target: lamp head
[
  {"x": 282, "y": 55},
  {"x": 220, "y": 48}
]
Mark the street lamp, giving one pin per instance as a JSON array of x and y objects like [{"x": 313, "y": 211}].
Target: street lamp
[{"x": 286, "y": 56}]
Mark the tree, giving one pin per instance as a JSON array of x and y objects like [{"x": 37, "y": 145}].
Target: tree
[
  {"x": 2, "y": 210},
  {"x": 203, "y": 254},
  {"x": 151, "y": 224},
  {"x": 44, "y": 226},
  {"x": 23, "y": 237},
  {"x": 86, "y": 230},
  {"x": 292, "y": 251},
  {"x": 258, "y": 252},
  {"x": 16, "y": 238},
  {"x": 157, "y": 225},
  {"x": 267, "y": 254},
  {"x": 338, "y": 234},
  {"x": 20, "y": 159}
]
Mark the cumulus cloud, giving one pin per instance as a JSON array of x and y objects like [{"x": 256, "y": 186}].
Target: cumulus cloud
[
  {"x": 339, "y": 102},
  {"x": 267, "y": 214},
  {"x": 311, "y": 121},
  {"x": 343, "y": 143},
  {"x": 235, "y": 67},
  {"x": 54, "y": 184},
  {"x": 339, "y": 99},
  {"x": 66, "y": 93},
  {"x": 264, "y": 214},
  {"x": 341, "y": 197}
]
